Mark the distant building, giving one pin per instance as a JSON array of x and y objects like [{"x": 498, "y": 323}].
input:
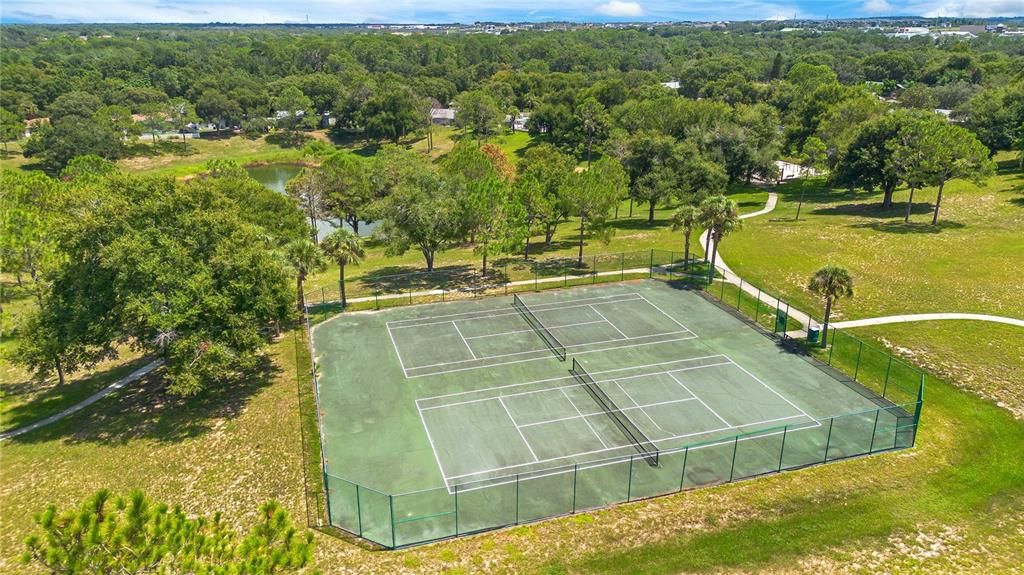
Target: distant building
[
  {"x": 671, "y": 85},
  {"x": 442, "y": 116}
]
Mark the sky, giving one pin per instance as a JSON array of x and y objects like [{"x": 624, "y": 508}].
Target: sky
[{"x": 467, "y": 11}]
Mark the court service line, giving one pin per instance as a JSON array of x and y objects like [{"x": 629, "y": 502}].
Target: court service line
[
  {"x": 463, "y": 338},
  {"x": 674, "y": 437},
  {"x": 545, "y": 349},
  {"x": 486, "y": 314},
  {"x": 530, "y": 330},
  {"x": 667, "y": 402},
  {"x": 432, "y": 447},
  {"x": 585, "y": 420},
  {"x": 520, "y": 431},
  {"x": 397, "y": 353},
  {"x": 642, "y": 410},
  {"x": 591, "y": 306},
  {"x": 700, "y": 400},
  {"x": 547, "y": 389},
  {"x": 568, "y": 377},
  {"x": 758, "y": 380}
]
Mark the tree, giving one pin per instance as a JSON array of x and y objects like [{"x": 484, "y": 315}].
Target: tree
[
  {"x": 831, "y": 283},
  {"x": 549, "y": 168},
  {"x": 305, "y": 258},
  {"x": 422, "y": 211},
  {"x": 70, "y": 136},
  {"x": 812, "y": 160},
  {"x": 308, "y": 190},
  {"x": 952, "y": 152},
  {"x": 181, "y": 115},
  {"x": 721, "y": 216},
  {"x": 347, "y": 191},
  {"x": 11, "y": 127},
  {"x": 392, "y": 114},
  {"x": 592, "y": 194},
  {"x": 867, "y": 162},
  {"x": 477, "y": 111},
  {"x": 593, "y": 122},
  {"x": 994, "y": 115},
  {"x": 497, "y": 222},
  {"x": 344, "y": 247},
  {"x": 684, "y": 219},
  {"x": 217, "y": 108},
  {"x": 291, "y": 105},
  {"x": 154, "y": 118},
  {"x": 111, "y": 534}
]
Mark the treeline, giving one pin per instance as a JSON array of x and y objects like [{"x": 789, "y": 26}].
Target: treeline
[{"x": 578, "y": 86}]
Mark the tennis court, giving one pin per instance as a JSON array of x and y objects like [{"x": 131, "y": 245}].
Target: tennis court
[{"x": 445, "y": 419}]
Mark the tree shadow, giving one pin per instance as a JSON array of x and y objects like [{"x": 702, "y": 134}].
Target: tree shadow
[
  {"x": 399, "y": 279},
  {"x": 875, "y": 210},
  {"x": 1017, "y": 201},
  {"x": 288, "y": 139},
  {"x": 145, "y": 410},
  {"x": 541, "y": 248},
  {"x": 638, "y": 223},
  {"x": 900, "y": 227}
]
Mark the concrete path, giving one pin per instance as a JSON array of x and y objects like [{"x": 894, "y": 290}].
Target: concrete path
[
  {"x": 130, "y": 378},
  {"x": 928, "y": 317}
]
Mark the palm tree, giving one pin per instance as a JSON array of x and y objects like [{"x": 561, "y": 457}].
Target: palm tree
[
  {"x": 722, "y": 216},
  {"x": 305, "y": 258},
  {"x": 685, "y": 218},
  {"x": 344, "y": 247},
  {"x": 831, "y": 282}
]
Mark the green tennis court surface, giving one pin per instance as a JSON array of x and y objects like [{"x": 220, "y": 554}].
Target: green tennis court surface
[{"x": 450, "y": 418}]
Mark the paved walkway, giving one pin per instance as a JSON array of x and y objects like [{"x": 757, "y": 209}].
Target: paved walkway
[
  {"x": 130, "y": 378},
  {"x": 928, "y": 317}
]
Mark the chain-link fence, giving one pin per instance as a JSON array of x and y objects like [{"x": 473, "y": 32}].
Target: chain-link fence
[{"x": 398, "y": 520}]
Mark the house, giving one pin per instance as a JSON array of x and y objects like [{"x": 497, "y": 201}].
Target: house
[
  {"x": 31, "y": 125},
  {"x": 517, "y": 124},
  {"x": 440, "y": 115},
  {"x": 790, "y": 171},
  {"x": 671, "y": 85}
]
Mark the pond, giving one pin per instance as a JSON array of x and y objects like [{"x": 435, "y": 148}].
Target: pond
[{"x": 275, "y": 176}]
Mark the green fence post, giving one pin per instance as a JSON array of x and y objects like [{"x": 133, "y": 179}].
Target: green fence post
[
  {"x": 565, "y": 275},
  {"x": 410, "y": 293},
  {"x": 735, "y": 447},
  {"x": 757, "y": 307},
  {"x": 651, "y": 272},
  {"x": 629, "y": 480},
  {"x": 517, "y": 499},
  {"x": 739, "y": 294},
  {"x": 721, "y": 294},
  {"x": 376, "y": 300},
  {"x": 831, "y": 347},
  {"x": 323, "y": 298},
  {"x": 391, "y": 510},
  {"x": 536, "y": 280},
  {"x": 622, "y": 266},
  {"x": 456, "y": 510},
  {"x": 885, "y": 386},
  {"x": 359, "y": 512},
  {"x": 828, "y": 438},
  {"x": 593, "y": 269},
  {"x": 444, "y": 285},
  {"x": 856, "y": 369},
  {"x": 682, "y": 476},
  {"x": 874, "y": 430},
  {"x": 327, "y": 496},
  {"x": 782, "y": 448},
  {"x": 507, "y": 280},
  {"x": 575, "y": 473}
]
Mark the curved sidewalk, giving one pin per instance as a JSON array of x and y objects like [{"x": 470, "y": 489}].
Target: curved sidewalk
[{"x": 130, "y": 378}]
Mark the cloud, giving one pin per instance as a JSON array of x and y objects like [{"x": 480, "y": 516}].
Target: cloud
[
  {"x": 620, "y": 9},
  {"x": 966, "y": 8},
  {"x": 877, "y": 7}
]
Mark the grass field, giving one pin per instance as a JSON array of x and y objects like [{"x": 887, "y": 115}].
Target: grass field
[{"x": 951, "y": 505}]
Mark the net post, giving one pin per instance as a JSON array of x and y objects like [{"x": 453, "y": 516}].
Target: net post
[
  {"x": 828, "y": 438},
  {"x": 735, "y": 447},
  {"x": 517, "y": 499},
  {"x": 888, "y": 368},
  {"x": 874, "y": 430},
  {"x": 682, "y": 476},
  {"x": 629, "y": 480},
  {"x": 359, "y": 512},
  {"x": 391, "y": 510},
  {"x": 782, "y": 448},
  {"x": 575, "y": 474},
  {"x": 856, "y": 369}
]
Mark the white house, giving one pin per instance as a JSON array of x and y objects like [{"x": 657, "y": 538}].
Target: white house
[{"x": 442, "y": 116}]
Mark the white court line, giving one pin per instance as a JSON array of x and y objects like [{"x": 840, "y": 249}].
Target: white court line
[
  {"x": 758, "y": 380},
  {"x": 670, "y": 401},
  {"x": 585, "y": 420},
  {"x": 609, "y": 323},
  {"x": 708, "y": 407},
  {"x": 642, "y": 410},
  {"x": 397, "y": 353},
  {"x": 674, "y": 437},
  {"x": 547, "y": 389},
  {"x": 489, "y": 313},
  {"x": 432, "y": 447},
  {"x": 650, "y": 303},
  {"x": 459, "y": 331},
  {"x": 567, "y": 347},
  {"x": 568, "y": 377},
  {"x": 550, "y": 327},
  {"x": 513, "y": 420}
]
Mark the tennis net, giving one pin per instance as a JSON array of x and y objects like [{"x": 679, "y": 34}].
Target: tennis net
[
  {"x": 550, "y": 340},
  {"x": 645, "y": 446}
]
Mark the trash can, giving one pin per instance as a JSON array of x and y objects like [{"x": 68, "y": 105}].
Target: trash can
[
  {"x": 813, "y": 333},
  {"x": 781, "y": 319}
]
